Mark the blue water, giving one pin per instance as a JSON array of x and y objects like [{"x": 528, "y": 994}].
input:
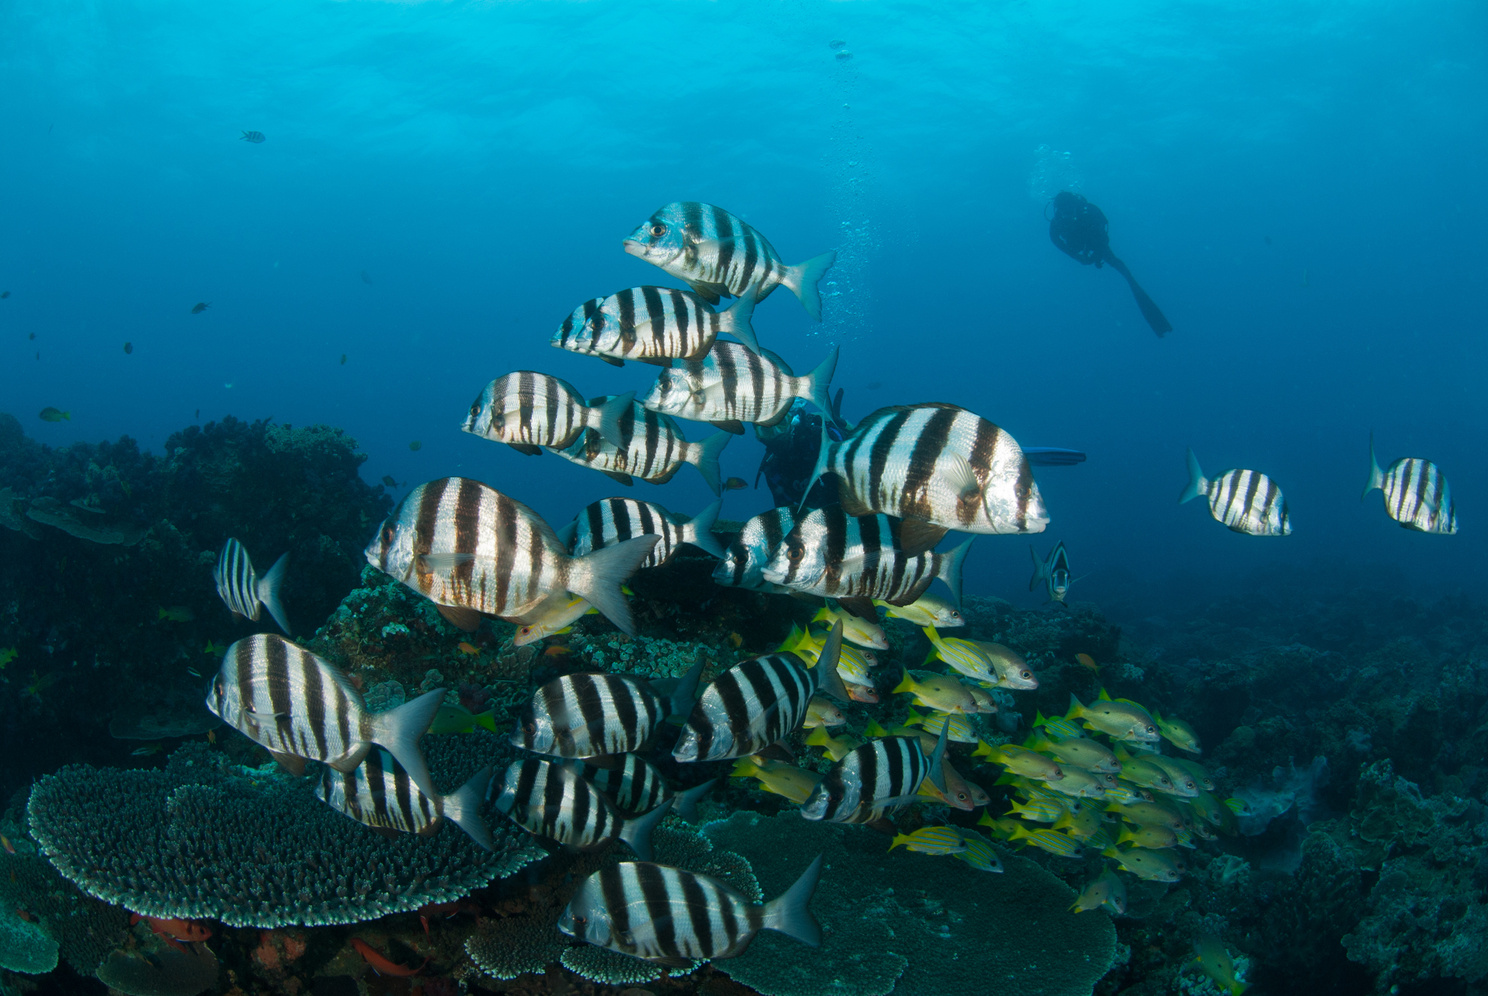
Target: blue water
[{"x": 1296, "y": 184}]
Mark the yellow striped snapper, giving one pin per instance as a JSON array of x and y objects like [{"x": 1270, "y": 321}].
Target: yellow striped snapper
[
  {"x": 1152, "y": 838},
  {"x": 937, "y": 463},
  {"x": 958, "y": 727},
  {"x": 964, "y": 656},
  {"x": 979, "y": 853},
  {"x": 1105, "y": 890},
  {"x": 1118, "y": 720},
  {"x": 1082, "y": 752},
  {"x": 1149, "y": 866},
  {"x": 1056, "y": 843},
  {"x": 473, "y": 551},
  {"x": 647, "y": 445},
  {"x": 529, "y": 411},
  {"x": 787, "y": 780},
  {"x": 551, "y": 800},
  {"x": 1246, "y": 501},
  {"x": 929, "y": 609},
  {"x": 1021, "y": 761},
  {"x": 614, "y": 520},
  {"x": 836, "y": 747},
  {"x": 937, "y": 691},
  {"x": 718, "y": 255},
  {"x": 852, "y": 664},
  {"x": 931, "y": 840},
  {"x": 1178, "y": 733},
  {"x": 745, "y": 559},
  {"x": 1083, "y": 822},
  {"x": 590, "y": 714},
  {"x": 1041, "y": 810},
  {"x": 1058, "y": 727},
  {"x": 245, "y": 593},
  {"x": 855, "y": 629},
  {"x": 555, "y": 615},
  {"x": 380, "y": 794},
  {"x": 653, "y": 325},
  {"x": 1416, "y": 493}
]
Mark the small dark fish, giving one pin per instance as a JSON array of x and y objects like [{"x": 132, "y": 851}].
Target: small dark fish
[
  {"x": 836, "y": 43},
  {"x": 147, "y": 750},
  {"x": 343, "y": 359},
  {"x": 255, "y": 137},
  {"x": 366, "y": 279},
  {"x": 128, "y": 347},
  {"x": 844, "y": 55},
  {"x": 32, "y": 336},
  {"x": 198, "y": 415},
  {"x": 50, "y": 414},
  {"x": 200, "y": 306},
  {"x": 415, "y": 446},
  {"x": 388, "y": 480},
  {"x": 874, "y": 385},
  {"x": 243, "y": 591},
  {"x": 4, "y": 294},
  {"x": 735, "y": 484}
]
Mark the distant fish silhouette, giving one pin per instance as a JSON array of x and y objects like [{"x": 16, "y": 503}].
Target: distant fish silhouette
[
  {"x": 31, "y": 336},
  {"x": 343, "y": 359},
  {"x": 4, "y": 294},
  {"x": 200, "y": 306},
  {"x": 50, "y": 414},
  {"x": 1078, "y": 228},
  {"x": 253, "y": 136},
  {"x": 365, "y": 278},
  {"x": 1052, "y": 456},
  {"x": 415, "y": 446},
  {"x": 129, "y": 347}
]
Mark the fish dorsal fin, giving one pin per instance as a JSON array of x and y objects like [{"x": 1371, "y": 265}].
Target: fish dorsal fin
[
  {"x": 1104, "y": 696},
  {"x": 917, "y": 536}
]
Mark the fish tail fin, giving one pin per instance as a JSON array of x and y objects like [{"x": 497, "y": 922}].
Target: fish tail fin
[
  {"x": 818, "y": 386},
  {"x": 610, "y": 414},
  {"x": 831, "y": 681},
  {"x": 699, "y": 529},
  {"x": 817, "y": 737},
  {"x": 937, "y": 769},
  {"x": 803, "y": 279},
  {"x": 268, "y": 592},
  {"x": 486, "y": 720},
  {"x": 596, "y": 577},
  {"x": 687, "y": 802},
  {"x": 788, "y": 912},
  {"x": 1039, "y": 574},
  {"x": 463, "y": 805},
  {"x": 906, "y": 684},
  {"x": 399, "y": 731},
  {"x": 823, "y": 460},
  {"x": 704, "y": 456},
  {"x": 1376, "y": 476},
  {"x": 685, "y": 693},
  {"x": 1075, "y": 708},
  {"x": 746, "y": 767},
  {"x": 637, "y": 832},
  {"x": 949, "y": 568},
  {"x": 736, "y": 319},
  {"x": 1196, "y": 483}
]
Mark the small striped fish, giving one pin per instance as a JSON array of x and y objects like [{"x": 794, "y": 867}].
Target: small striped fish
[
  {"x": 718, "y": 255},
  {"x": 551, "y": 800},
  {"x": 586, "y": 715},
  {"x": 1053, "y": 572},
  {"x": 858, "y": 557},
  {"x": 1245, "y": 500},
  {"x": 939, "y": 463},
  {"x": 244, "y": 592},
  {"x": 470, "y": 548},
  {"x": 1416, "y": 493},
  {"x": 380, "y": 794},
  {"x": 637, "y": 786},
  {"x": 528, "y": 411},
  {"x": 669, "y": 915},
  {"x": 555, "y": 615},
  {"x": 745, "y": 559},
  {"x": 927, "y": 610},
  {"x": 931, "y": 840},
  {"x": 653, "y": 325},
  {"x": 879, "y": 775},
  {"x": 980, "y": 854},
  {"x": 647, "y": 445},
  {"x": 731, "y": 386},
  {"x": 757, "y": 703},
  {"x": 285, "y": 698},
  {"x": 615, "y": 520}
]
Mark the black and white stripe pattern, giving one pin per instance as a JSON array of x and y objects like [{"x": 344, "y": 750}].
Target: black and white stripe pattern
[
  {"x": 242, "y": 590},
  {"x": 733, "y": 385},
  {"x": 553, "y": 801},
  {"x": 463, "y": 544},
  {"x": 653, "y": 325},
  {"x": 745, "y": 559},
  {"x": 868, "y": 780},
  {"x": 938, "y": 463},
  {"x": 632, "y": 783},
  {"x": 716, "y": 253},
  {"x": 648, "y": 445},
  {"x": 615, "y": 520},
  {"x": 1053, "y": 572},
  {"x": 1416, "y": 494},
  {"x": 378, "y": 793},
  {"x": 587, "y": 715},
  {"x": 526, "y": 410},
  {"x": 1247, "y": 501}
]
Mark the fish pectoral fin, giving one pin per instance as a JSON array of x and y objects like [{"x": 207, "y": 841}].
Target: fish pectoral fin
[
  {"x": 439, "y": 563},
  {"x": 730, "y": 425},
  {"x": 708, "y": 292},
  {"x": 466, "y": 620},
  {"x": 612, "y": 361},
  {"x": 960, "y": 477},
  {"x": 851, "y": 503},
  {"x": 526, "y": 449},
  {"x": 292, "y": 763}
]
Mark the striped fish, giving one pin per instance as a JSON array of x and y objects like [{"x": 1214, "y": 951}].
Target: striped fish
[
  {"x": 472, "y": 550},
  {"x": 731, "y": 386},
  {"x": 298, "y": 706},
  {"x": 1416, "y": 494},
  {"x": 551, "y": 800},
  {"x": 671, "y": 916},
  {"x": 880, "y": 775},
  {"x": 859, "y": 557},
  {"x": 528, "y": 411},
  {"x": 653, "y": 325},
  {"x": 380, "y": 794},
  {"x": 647, "y": 445},
  {"x": 718, "y": 255},
  {"x": 744, "y": 560},
  {"x": 935, "y": 462},
  {"x": 637, "y": 786},
  {"x": 243, "y": 591},
  {"x": 980, "y": 854},
  {"x": 615, "y": 520},
  {"x": 757, "y": 703},
  {"x": 931, "y": 840},
  {"x": 586, "y": 715},
  {"x": 1053, "y": 572},
  {"x": 927, "y": 610},
  {"x": 1245, "y": 500}
]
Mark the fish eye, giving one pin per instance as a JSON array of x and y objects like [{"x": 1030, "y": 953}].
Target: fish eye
[
  {"x": 658, "y": 230},
  {"x": 795, "y": 552},
  {"x": 529, "y": 728},
  {"x": 387, "y": 534}
]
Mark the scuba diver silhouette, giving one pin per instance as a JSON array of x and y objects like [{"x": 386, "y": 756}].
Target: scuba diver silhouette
[{"x": 1078, "y": 228}]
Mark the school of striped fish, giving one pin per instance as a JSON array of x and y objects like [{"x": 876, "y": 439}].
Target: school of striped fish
[{"x": 1109, "y": 776}]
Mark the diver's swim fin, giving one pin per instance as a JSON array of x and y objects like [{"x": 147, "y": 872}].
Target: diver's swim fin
[{"x": 1150, "y": 311}]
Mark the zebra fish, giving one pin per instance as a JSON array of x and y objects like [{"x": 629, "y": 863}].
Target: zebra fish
[
  {"x": 879, "y": 775},
  {"x": 935, "y": 462},
  {"x": 380, "y": 794},
  {"x": 588, "y": 714},
  {"x": 1416, "y": 493},
  {"x": 731, "y": 386},
  {"x": 243, "y": 591},
  {"x": 1053, "y": 571},
  {"x": 637, "y": 786},
  {"x": 648, "y": 445},
  {"x": 744, "y": 560},
  {"x": 718, "y": 255},
  {"x": 653, "y": 325},
  {"x": 615, "y": 520},
  {"x": 529, "y": 411},
  {"x": 1245, "y": 500},
  {"x": 551, "y": 800},
  {"x": 472, "y": 550},
  {"x": 286, "y": 699},
  {"x": 757, "y": 703},
  {"x": 856, "y": 559},
  {"x": 670, "y": 916}
]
